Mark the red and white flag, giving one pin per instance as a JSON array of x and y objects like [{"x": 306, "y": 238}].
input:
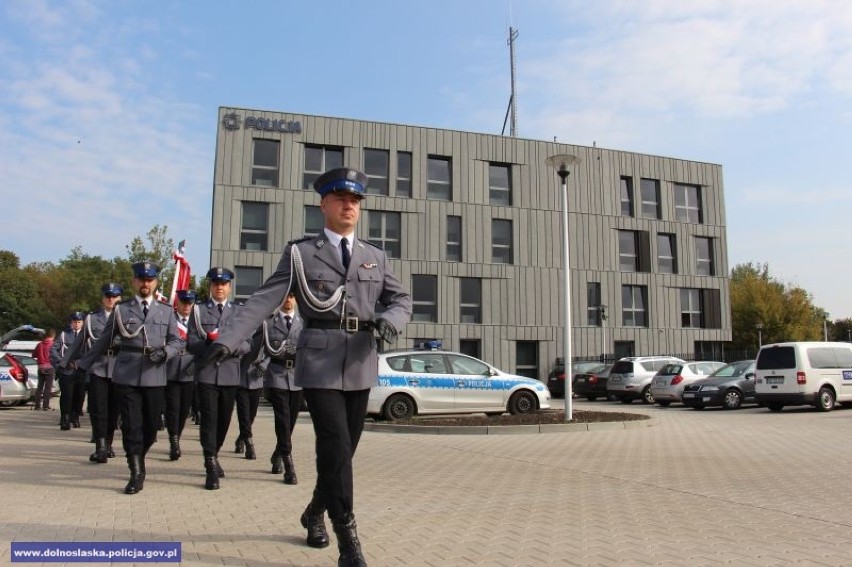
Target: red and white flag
[{"x": 182, "y": 272}]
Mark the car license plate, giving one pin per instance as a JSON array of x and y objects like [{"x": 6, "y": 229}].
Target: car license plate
[
  {"x": 774, "y": 379},
  {"x": 661, "y": 382},
  {"x": 615, "y": 380},
  {"x": 581, "y": 380},
  {"x": 688, "y": 395}
]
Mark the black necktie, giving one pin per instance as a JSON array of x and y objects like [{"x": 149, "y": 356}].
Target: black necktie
[
  {"x": 144, "y": 308},
  {"x": 344, "y": 252},
  {"x": 289, "y": 321},
  {"x": 220, "y": 306}
]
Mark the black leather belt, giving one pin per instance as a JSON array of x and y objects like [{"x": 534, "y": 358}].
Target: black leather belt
[
  {"x": 286, "y": 362},
  {"x": 349, "y": 324},
  {"x": 131, "y": 348}
]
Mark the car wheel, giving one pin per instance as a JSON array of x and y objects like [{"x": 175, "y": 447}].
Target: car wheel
[
  {"x": 591, "y": 398},
  {"x": 647, "y": 395},
  {"x": 626, "y": 400},
  {"x": 664, "y": 403},
  {"x": 733, "y": 399},
  {"x": 399, "y": 406},
  {"x": 522, "y": 402},
  {"x": 826, "y": 399},
  {"x": 775, "y": 406},
  {"x": 8, "y": 403}
]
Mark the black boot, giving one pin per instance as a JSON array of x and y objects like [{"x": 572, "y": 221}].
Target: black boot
[
  {"x": 347, "y": 542},
  {"x": 250, "y": 454},
  {"x": 75, "y": 421},
  {"x": 110, "y": 453},
  {"x": 174, "y": 449},
  {"x": 313, "y": 520},
  {"x": 162, "y": 424},
  {"x": 137, "y": 474},
  {"x": 100, "y": 454},
  {"x": 277, "y": 463},
  {"x": 219, "y": 470},
  {"x": 64, "y": 422},
  {"x": 239, "y": 445},
  {"x": 212, "y": 480},
  {"x": 289, "y": 470}
]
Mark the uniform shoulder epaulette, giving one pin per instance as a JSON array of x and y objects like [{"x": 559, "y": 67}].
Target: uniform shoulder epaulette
[
  {"x": 371, "y": 243},
  {"x": 298, "y": 240},
  {"x": 240, "y": 303}
]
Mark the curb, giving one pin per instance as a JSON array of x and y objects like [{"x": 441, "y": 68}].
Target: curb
[{"x": 509, "y": 429}]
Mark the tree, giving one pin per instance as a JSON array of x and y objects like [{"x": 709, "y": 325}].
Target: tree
[{"x": 158, "y": 250}]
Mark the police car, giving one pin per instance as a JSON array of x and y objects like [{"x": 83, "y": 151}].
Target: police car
[
  {"x": 15, "y": 388},
  {"x": 429, "y": 380}
]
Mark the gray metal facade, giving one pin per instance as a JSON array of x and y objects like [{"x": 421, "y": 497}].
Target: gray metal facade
[{"x": 520, "y": 302}]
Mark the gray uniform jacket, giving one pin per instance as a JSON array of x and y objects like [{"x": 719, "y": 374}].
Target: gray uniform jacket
[
  {"x": 93, "y": 326},
  {"x": 63, "y": 343},
  {"x": 176, "y": 366},
  {"x": 228, "y": 372},
  {"x": 132, "y": 367},
  {"x": 329, "y": 358},
  {"x": 281, "y": 368}
]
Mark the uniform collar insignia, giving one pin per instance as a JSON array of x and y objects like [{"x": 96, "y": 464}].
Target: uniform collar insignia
[
  {"x": 369, "y": 266},
  {"x": 320, "y": 243}
]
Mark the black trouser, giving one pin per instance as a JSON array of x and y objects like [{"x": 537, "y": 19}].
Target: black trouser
[
  {"x": 102, "y": 408},
  {"x": 140, "y": 410},
  {"x": 44, "y": 389},
  {"x": 338, "y": 419},
  {"x": 247, "y": 402},
  {"x": 216, "y": 404},
  {"x": 78, "y": 388},
  {"x": 66, "y": 393},
  {"x": 285, "y": 406},
  {"x": 178, "y": 400}
]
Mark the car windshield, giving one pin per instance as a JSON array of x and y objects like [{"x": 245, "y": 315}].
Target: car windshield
[
  {"x": 465, "y": 365},
  {"x": 670, "y": 369},
  {"x": 734, "y": 369},
  {"x": 622, "y": 367}
]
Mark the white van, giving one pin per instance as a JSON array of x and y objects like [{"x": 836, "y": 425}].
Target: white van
[{"x": 804, "y": 373}]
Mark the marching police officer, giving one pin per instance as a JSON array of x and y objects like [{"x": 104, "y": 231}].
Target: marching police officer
[
  {"x": 71, "y": 382},
  {"x": 143, "y": 332},
  {"x": 337, "y": 279},
  {"x": 103, "y": 413},
  {"x": 217, "y": 384},
  {"x": 180, "y": 385}
]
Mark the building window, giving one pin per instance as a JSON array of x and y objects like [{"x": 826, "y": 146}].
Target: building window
[
  {"x": 634, "y": 251},
  {"x": 403, "y": 174},
  {"x": 264, "y": 169},
  {"x": 385, "y": 231},
  {"x": 593, "y": 304},
  {"x": 501, "y": 242},
  {"x": 688, "y": 203},
  {"x": 424, "y": 298},
  {"x": 439, "y": 184},
  {"x": 666, "y": 253},
  {"x": 248, "y": 279},
  {"x": 526, "y": 357},
  {"x": 470, "y": 347},
  {"x": 254, "y": 234},
  {"x": 626, "y": 185},
  {"x": 650, "y": 189},
  {"x": 690, "y": 309},
  {"x": 314, "y": 220},
  {"x": 454, "y": 239},
  {"x": 318, "y": 160},
  {"x": 500, "y": 184},
  {"x": 634, "y": 305},
  {"x": 376, "y": 163},
  {"x": 470, "y": 291},
  {"x": 705, "y": 264}
]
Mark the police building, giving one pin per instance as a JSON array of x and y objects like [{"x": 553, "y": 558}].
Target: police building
[{"x": 473, "y": 224}]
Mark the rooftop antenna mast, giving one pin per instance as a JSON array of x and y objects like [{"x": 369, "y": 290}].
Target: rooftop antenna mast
[{"x": 511, "y": 111}]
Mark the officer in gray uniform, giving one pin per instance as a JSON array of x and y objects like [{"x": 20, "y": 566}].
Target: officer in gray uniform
[
  {"x": 102, "y": 410},
  {"x": 247, "y": 401},
  {"x": 180, "y": 384},
  {"x": 143, "y": 334},
  {"x": 338, "y": 280},
  {"x": 276, "y": 341},
  {"x": 71, "y": 382},
  {"x": 217, "y": 384}
]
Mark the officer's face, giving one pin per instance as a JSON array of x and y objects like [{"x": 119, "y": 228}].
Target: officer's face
[
  {"x": 341, "y": 211},
  {"x": 144, "y": 287},
  {"x": 220, "y": 291},
  {"x": 109, "y": 301},
  {"x": 184, "y": 308},
  {"x": 289, "y": 303},
  {"x": 76, "y": 325}
]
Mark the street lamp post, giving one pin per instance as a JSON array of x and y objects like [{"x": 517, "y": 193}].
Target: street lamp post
[
  {"x": 602, "y": 314},
  {"x": 561, "y": 163},
  {"x": 759, "y": 328}
]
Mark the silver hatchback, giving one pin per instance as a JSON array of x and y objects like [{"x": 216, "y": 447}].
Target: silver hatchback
[
  {"x": 667, "y": 386},
  {"x": 630, "y": 377}
]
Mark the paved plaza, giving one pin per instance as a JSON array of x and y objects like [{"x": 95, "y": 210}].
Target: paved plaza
[{"x": 691, "y": 488}]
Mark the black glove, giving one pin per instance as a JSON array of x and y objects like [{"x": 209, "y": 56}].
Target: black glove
[
  {"x": 215, "y": 355},
  {"x": 157, "y": 356},
  {"x": 386, "y": 330}
]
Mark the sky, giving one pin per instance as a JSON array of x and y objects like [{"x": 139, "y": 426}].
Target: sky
[{"x": 108, "y": 108}]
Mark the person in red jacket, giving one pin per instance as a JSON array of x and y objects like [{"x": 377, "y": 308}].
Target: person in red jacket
[{"x": 46, "y": 371}]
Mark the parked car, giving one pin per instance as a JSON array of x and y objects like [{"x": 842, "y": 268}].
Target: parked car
[
  {"x": 413, "y": 382},
  {"x": 667, "y": 385},
  {"x": 14, "y": 388},
  {"x": 730, "y": 387},
  {"x": 592, "y": 383},
  {"x": 556, "y": 377},
  {"x": 630, "y": 377}
]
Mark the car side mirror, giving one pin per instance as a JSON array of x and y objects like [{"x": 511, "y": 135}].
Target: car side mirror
[{"x": 749, "y": 376}]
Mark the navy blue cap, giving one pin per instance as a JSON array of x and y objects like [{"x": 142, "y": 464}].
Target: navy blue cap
[
  {"x": 341, "y": 180},
  {"x": 220, "y": 275},
  {"x": 145, "y": 270},
  {"x": 77, "y": 316},
  {"x": 111, "y": 289},
  {"x": 186, "y": 295}
]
